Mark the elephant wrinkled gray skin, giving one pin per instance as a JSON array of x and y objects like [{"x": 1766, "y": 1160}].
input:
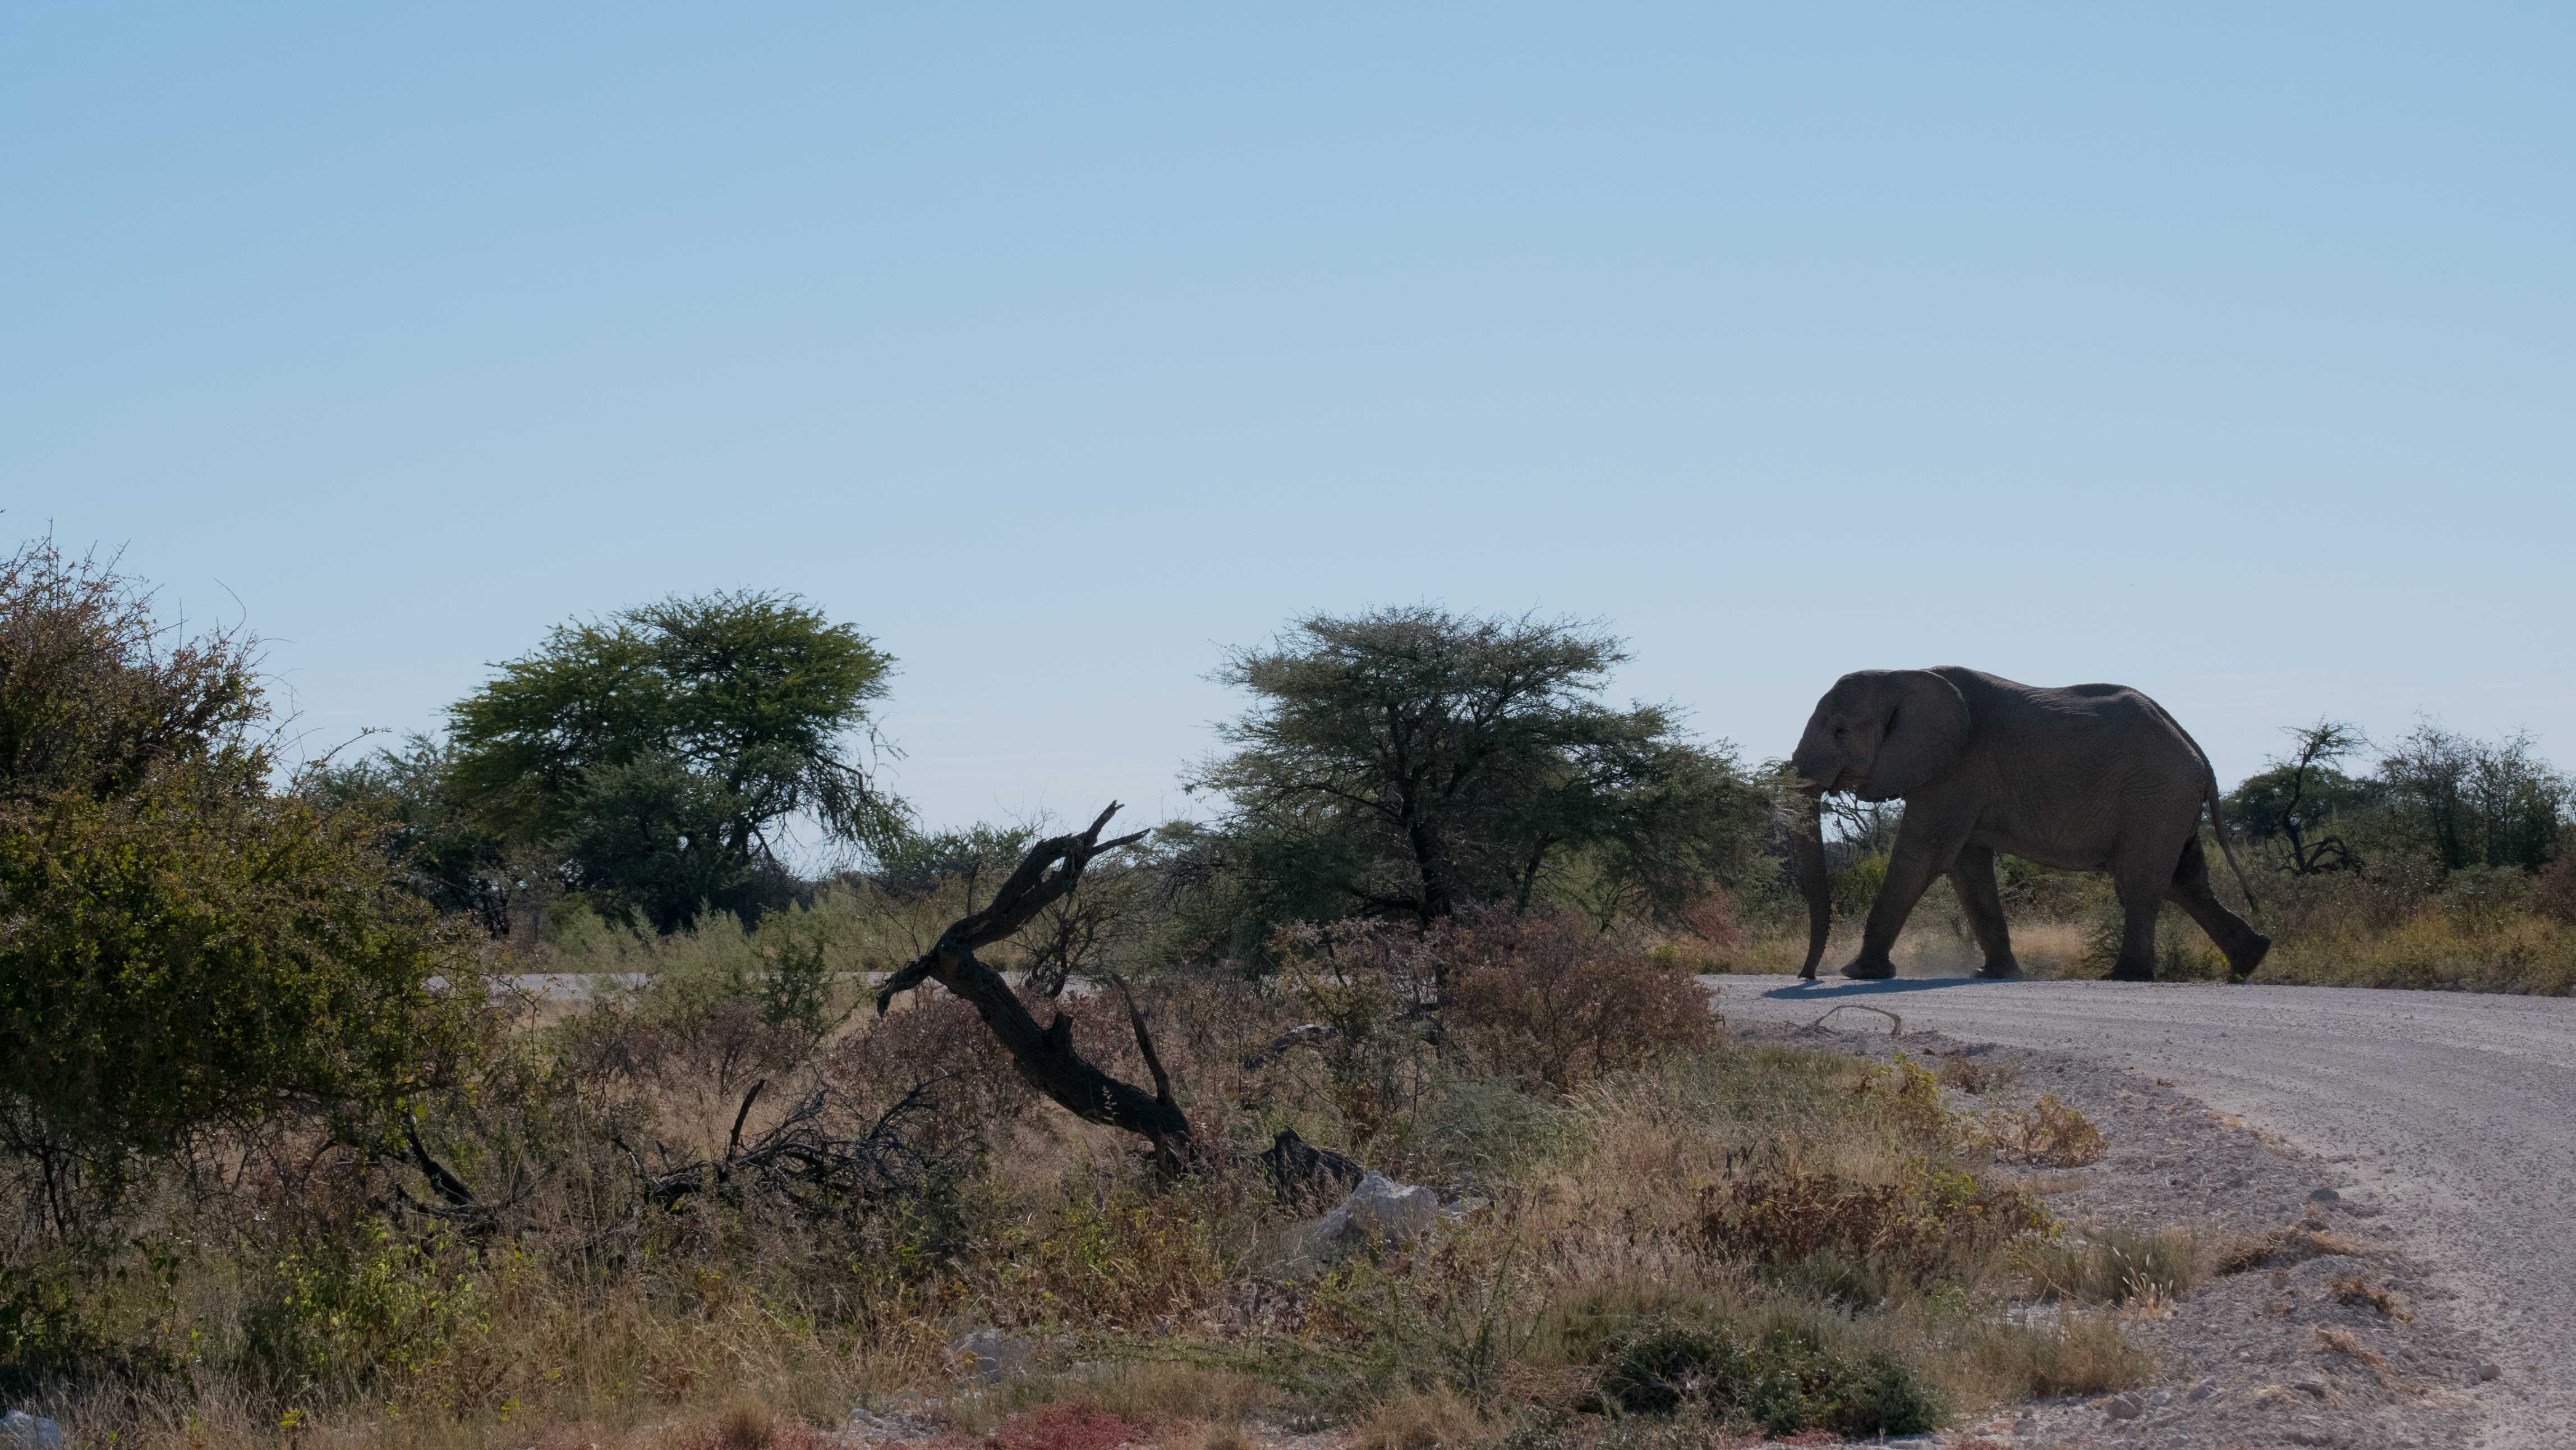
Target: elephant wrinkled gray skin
[{"x": 2085, "y": 778}]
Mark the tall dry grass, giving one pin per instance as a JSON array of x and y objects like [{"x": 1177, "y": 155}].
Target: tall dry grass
[
  {"x": 1609, "y": 1181},
  {"x": 2398, "y": 924}
]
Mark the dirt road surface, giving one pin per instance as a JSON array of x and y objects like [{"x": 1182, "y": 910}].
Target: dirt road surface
[{"x": 2458, "y": 1112}]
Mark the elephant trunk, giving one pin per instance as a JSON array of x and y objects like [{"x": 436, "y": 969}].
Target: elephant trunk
[{"x": 1807, "y": 848}]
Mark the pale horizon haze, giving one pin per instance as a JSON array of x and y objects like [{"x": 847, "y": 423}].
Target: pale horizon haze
[{"x": 2225, "y": 352}]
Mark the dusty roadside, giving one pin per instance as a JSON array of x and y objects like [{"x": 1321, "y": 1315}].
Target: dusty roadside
[
  {"x": 2336, "y": 1337},
  {"x": 2439, "y": 1120}
]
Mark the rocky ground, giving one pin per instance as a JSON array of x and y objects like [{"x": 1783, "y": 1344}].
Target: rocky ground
[{"x": 2337, "y": 1338}]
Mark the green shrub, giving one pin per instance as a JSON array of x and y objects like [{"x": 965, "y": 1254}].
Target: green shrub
[
  {"x": 1863, "y": 1242},
  {"x": 183, "y": 959},
  {"x": 180, "y": 945},
  {"x": 341, "y": 1311},
  {"x": 1906, "y": 1096},
  {"x": 1783, "y": 1381},
  {"x": 1489, "y": 1126},
  {"x": 1856, "y": 887}
]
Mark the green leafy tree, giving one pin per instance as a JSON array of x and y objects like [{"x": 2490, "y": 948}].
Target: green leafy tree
[
  {"x": 180, "y": 945},
  {"x": 659, "y": 752},
  {"x": 1408, "y": 761},
  {"x": 2299, "y": 798},
  {"x": 2467, "y": 802},
  {"x": 446, "y": 855}
]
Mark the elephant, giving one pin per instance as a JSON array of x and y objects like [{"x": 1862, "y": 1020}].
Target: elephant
[{"x": 2083, "y": 778}]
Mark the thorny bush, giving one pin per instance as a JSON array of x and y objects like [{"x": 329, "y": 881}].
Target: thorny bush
[
  {"x": 1552, "y": 1002},
  {"x": 1933, "y": 1225}
]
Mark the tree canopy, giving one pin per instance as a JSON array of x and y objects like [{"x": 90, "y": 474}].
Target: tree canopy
[
  {"x": 1409, "y": 761},
  {"x": 2468, "y": 802},
  {"x": 658, "y": 752},
  {"x": 2447, "y": 799},
  {"x": 2299, "y": 797}
]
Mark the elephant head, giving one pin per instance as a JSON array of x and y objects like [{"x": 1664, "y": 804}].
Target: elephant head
[{"x": 1879, "y": 734}]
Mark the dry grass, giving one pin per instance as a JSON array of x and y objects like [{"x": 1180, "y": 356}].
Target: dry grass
[
  {"x": 2048, "y": 1134},
  {"x": 2354, "y": 1292},
  {"x": 2282, "y": 1247},
  {"x": 2342, "y": 1342},
  {"x": 2336, "y": 930},
  {"x": 1436, "y": 1419},
  {"x": 2083, "y": 1354},
  {"x": 2103, "y": 1265},
  {"x": 2435, "y": 949},
  {"x": 2051, "y": 948},
  {"x": 1670, "y": 1192},
  {"x": 1968, "y": 1073}
]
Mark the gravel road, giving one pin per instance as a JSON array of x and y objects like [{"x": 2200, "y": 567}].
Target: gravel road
[{"x": 2458, "y": 1111}]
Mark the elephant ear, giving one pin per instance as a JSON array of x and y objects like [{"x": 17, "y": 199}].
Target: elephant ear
[{"x": 1924, "y": 733}]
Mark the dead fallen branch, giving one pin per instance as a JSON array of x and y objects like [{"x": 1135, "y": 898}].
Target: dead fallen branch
[
  {"x": 1896, "y": 1031},
  {"x": 1317, "y": 1033},
  {"x": 1045, "y": 1056},
  {"x": 804, "y": 1159}
]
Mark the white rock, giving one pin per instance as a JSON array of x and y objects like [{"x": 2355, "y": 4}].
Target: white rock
[
  {"x": 1382, "y": 1208},
  {"x": 22, "y": 1431}
]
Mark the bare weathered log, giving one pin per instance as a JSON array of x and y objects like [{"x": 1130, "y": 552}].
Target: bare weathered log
[
  {"x": 802, "y": 1158},
  {"x": 1317, "y": 1033},
  {"x": 1045, "y": 1056}
]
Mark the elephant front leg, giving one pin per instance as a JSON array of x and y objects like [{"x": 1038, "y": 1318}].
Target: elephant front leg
[
  {"x": 1973, "y": 877},
  {"x": 1918, "y": 857}
]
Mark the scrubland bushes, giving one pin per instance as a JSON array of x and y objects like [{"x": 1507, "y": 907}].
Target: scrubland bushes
[
  {"x": 601, "y": 1229},
  {"x": 280, "y": 1162}
]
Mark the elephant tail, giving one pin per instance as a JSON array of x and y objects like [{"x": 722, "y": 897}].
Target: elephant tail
[
  {"x": 2218, "y": 828},
  {"x": 2210, "y": 796}
]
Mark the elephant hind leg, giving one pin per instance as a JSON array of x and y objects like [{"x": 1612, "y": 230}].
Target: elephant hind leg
[
  {"x": 2140, "y": 876},
  {"x": 2243, "y": 945},
  {"x": 1972, "y": 875}
]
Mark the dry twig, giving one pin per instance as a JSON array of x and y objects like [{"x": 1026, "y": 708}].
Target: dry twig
[{"x": 1897, "y": 1031}]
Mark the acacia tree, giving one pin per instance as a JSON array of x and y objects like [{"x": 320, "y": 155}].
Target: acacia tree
[
  {"x": 1409, "y": 761},
  {"x": 658, "y": 752},
  {"x": 2301, "y": 793}
]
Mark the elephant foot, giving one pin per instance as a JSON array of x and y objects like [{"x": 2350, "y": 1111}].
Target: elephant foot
[
  {"x": 2127, "y": 973},
  {"x": 1870, "y": 971},
  {"x": 2252, "y": 959},
  {"x": 2000, "y": 971}
]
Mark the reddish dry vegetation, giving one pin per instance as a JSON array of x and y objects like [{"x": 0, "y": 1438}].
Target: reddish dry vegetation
[{"x": 1066, "y": 1425}]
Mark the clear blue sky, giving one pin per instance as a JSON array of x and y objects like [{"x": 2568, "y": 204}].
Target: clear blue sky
[{"x": 2225, "y": 351}]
